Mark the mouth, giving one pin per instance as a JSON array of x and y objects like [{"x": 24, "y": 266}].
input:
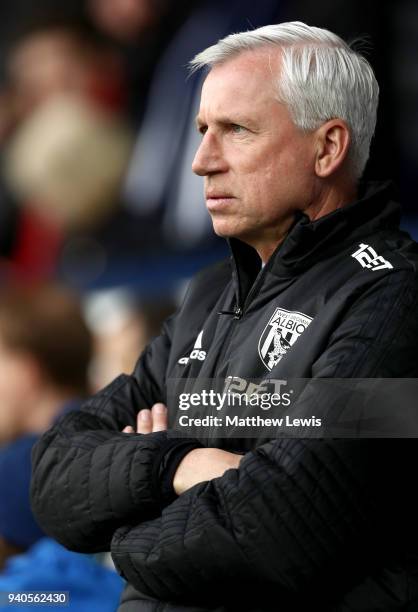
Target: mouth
[{"x": 217, "y": 201}]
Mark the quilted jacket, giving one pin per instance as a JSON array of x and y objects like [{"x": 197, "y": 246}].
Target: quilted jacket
[{"x": 303, "y": 524}]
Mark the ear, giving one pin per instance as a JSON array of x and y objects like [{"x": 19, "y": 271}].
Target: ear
[{"x": 333, "y": 142}]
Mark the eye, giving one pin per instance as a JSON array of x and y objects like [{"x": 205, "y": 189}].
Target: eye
[
  {"x": 202, "y": 129},
  {"x": 237, "y": 129}
]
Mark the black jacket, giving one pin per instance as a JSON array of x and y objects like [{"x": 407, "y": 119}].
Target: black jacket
[{"x": 302, "y": 524}]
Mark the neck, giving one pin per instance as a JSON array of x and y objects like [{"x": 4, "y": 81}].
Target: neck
[
  {"x": 266, "y": 247},
  {"x": 329, "y": 198}
]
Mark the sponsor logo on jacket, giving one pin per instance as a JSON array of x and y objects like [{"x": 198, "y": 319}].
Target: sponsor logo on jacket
[
  {"x": 368, "y": 258},
  {"x": 281, "y": 333},
  {"x": 196, "y": 352}
]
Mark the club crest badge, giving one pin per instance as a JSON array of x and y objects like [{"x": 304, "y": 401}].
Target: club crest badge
[{"x": 280, "y": 333}]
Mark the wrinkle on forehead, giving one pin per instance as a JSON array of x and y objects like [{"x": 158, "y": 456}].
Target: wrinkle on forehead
[{"x": 251, "y": 75}]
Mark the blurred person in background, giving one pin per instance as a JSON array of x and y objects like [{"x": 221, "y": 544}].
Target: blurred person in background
[
  {"x": 18, "y": 528},
  {"x": 65, "y": 164},
  {"x": 53, "y": 55},
  {"x": 29, "y": 561},
  {"x": 129, "y": 20},
  {"x": 122, "y": 324},
  {"x": 142, "y": 29},
  {"x": 65, "y": 156},
  {"x": 45, "y": 350}
]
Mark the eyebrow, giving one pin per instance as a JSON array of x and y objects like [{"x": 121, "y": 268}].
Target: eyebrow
[{"x": 227, "y": 120}]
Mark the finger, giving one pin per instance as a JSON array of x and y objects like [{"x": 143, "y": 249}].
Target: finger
[
  {"x": 159, "y": 417},
  {"x": 128, "y": 429},
  {"x": 144, "y": 421}
]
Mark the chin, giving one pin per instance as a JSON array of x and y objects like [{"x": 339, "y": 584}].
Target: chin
[
  {"x": 223, "y": 229},
  {"x": 222, "y": 233}
]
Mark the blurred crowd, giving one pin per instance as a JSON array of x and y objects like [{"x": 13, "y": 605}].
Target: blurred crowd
[{"x": 102, "y": 222}]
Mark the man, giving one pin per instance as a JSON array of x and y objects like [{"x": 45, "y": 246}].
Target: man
[
  {"x": 286, "y": 117},
  {"x": 38, "y": 379}
]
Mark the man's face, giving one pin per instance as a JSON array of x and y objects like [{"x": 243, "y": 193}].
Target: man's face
[{"x": 258, "y": 167}]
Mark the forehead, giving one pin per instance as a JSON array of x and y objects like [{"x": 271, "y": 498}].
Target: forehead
[{"x": 247, "y": 80}]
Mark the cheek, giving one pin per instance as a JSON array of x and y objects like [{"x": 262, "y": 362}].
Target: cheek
[
  {"x": 295, "y": 170},
  {"x": 13, "y": 380},
  {"x": 275, "y": 172},
  {"x": 259, "y": 174},
  {"x": 272, "y": 176}
]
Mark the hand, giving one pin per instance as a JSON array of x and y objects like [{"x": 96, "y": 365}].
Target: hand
[
  {"x": 199, "y": 465},
  {"x": 203, "y": 464},
  {"x": 149, "y": 421}
]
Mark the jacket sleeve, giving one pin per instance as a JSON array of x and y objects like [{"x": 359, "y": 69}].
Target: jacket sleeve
[
  {"x": 301, "y": 515},
  {"x": 89, "y": 478}
]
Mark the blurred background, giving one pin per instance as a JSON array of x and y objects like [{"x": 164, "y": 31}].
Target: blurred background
[{"x": 102, "y": 222}]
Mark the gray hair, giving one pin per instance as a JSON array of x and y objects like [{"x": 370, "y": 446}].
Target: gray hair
[{"x": 321, "y": 78}]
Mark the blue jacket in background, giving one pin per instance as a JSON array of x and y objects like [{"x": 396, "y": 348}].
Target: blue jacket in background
[{"x": 47, "y": 566}]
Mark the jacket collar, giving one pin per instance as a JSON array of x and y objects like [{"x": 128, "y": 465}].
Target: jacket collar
[{"x": 309, "y": 241}]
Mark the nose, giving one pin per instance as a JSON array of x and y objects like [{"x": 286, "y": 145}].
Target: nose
[{"x": 209, "y": 158}]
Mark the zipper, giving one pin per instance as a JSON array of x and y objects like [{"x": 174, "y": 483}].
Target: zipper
[{"x": 236, "y": 313}]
